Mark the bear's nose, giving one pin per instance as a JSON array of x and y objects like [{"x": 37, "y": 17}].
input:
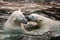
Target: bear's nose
[
  {"x": 25, "y": 21},
  {"x": 28, "y": 18}
]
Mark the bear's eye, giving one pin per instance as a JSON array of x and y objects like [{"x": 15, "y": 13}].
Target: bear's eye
[{"x": 32, "y": 16}]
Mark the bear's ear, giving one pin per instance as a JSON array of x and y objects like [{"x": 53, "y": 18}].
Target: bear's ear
[{"x": 14, "y": 19}]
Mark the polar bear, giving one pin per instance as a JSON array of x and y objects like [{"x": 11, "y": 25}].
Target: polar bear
[
  {"x": 44, "y": 23},
  {"x": 14, "y": 21}
]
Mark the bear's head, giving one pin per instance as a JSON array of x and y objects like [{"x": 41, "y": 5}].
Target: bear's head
[
  {"x": 35, "y": 17},
  {"x": 20, "y": 17}
]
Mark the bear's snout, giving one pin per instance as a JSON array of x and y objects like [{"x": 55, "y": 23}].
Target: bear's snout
[
  {"x": 28, "y": 18},
  {"x": 25, "y": 21}
]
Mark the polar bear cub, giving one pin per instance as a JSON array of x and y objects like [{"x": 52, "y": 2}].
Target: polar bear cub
[
  {"x": 45, "y": 24},
  {"x": 14, "y": 21},
  {"x": 41, "y": 20}
]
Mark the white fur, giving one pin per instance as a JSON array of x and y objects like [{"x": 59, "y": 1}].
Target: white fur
[
  {"x": 14, "y": 23},
  {"x": 45, "y": 23},
  {"x": 11, "y": 24}
]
